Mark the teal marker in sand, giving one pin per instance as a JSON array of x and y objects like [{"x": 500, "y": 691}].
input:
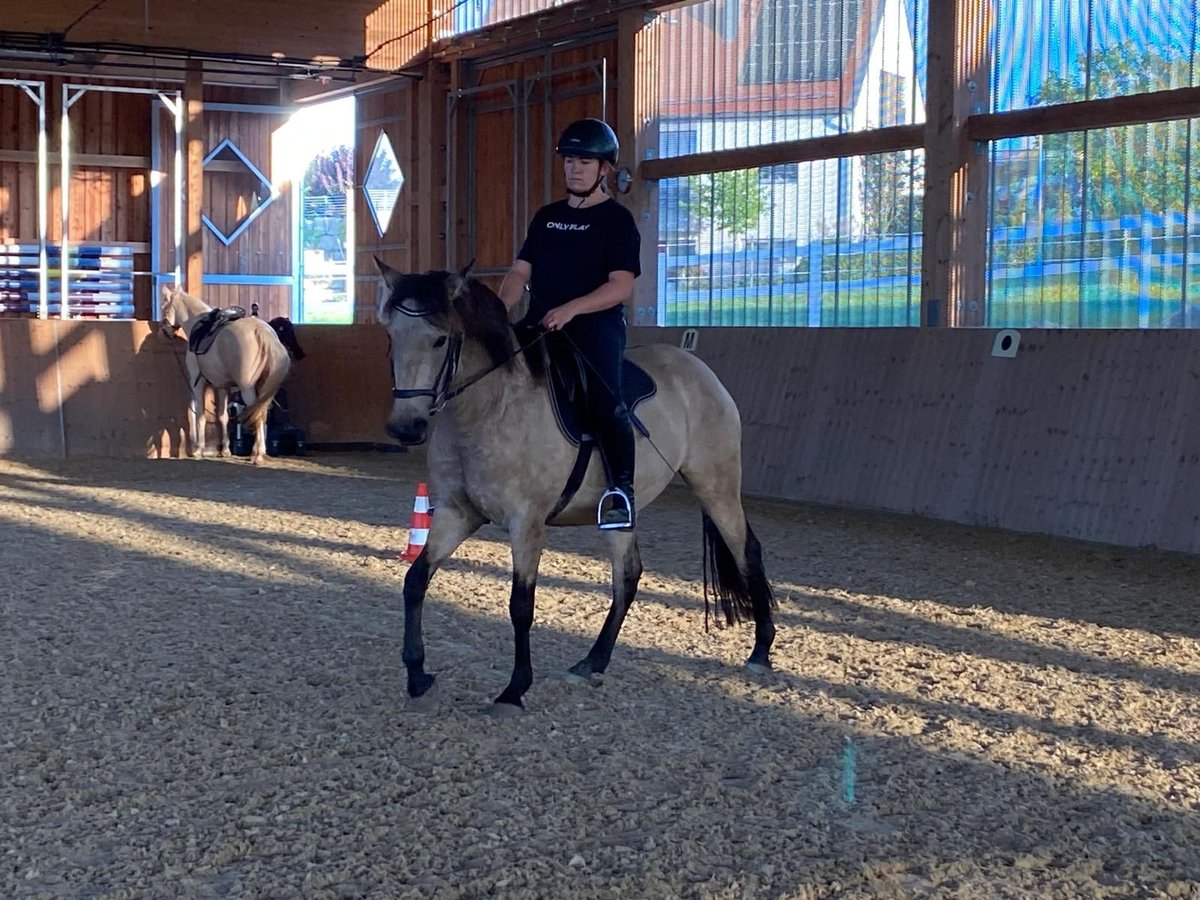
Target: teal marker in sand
[{"x": 849, "y": 772}]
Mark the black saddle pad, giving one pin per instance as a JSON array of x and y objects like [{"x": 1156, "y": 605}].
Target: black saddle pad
[
  {"x": 567, "y": 376},
  {"x": 209, "y": 324}
]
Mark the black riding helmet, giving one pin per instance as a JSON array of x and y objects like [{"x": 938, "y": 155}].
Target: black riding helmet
[{"x": 591, "y": 139}]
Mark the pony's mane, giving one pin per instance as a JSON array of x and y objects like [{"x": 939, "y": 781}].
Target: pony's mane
[{"x": 474, "y": 310}]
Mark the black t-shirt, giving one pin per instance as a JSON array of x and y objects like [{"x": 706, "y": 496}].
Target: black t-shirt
[{"x": 572, "y": 251}]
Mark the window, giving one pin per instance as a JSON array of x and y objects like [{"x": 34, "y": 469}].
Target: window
[
  {"x": 801, "y": 40},
  {"x": 892, "y": 91},
  {"x": 784, "y": 173}
]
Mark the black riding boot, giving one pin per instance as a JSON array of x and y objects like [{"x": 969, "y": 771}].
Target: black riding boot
[{"x": 616, "y": 510}]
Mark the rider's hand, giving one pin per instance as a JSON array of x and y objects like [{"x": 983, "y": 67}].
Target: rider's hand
[{"x": 558, "y": 317}]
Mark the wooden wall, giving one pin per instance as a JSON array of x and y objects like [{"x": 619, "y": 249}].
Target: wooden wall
[
  {"x": 111, "y": 201},
  {"x": 509, "y": 145},
  {"x": 110, "y": 197},
  {"x": 1085, "y": 434},
  {"x": 86, "y": 388},
  {"x": 413, "y": 116}
]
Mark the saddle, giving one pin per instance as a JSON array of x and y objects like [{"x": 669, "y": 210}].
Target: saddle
[
  {"x": 206, "y": 328},
  {"x": 567, "y": 382}
]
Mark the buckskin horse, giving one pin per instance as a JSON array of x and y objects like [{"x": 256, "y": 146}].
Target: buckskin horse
[
  {"x": 244, "y": 353},
  {"x": 499, "y": 453}
]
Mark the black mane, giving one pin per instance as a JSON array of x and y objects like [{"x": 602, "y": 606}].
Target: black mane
[{"x": 475, "y": 312}]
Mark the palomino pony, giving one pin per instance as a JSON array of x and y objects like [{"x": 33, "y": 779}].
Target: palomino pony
[
  {"x": 245, "y": 354},
  {"x": 496, "y": 454}
]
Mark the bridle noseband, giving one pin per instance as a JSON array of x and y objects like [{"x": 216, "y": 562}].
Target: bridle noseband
[{"x": 440, "y": 390}]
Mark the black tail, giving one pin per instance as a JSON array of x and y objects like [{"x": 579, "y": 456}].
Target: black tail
[{"x": 736, "y": 595}]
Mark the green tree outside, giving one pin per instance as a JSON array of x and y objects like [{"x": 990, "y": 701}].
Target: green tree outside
[{"x": 731, "y": 201}]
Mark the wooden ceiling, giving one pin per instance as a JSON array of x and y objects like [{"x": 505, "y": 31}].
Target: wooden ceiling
[{"x": 295, "y": 28}]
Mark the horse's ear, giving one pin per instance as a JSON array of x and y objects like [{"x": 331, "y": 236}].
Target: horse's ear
[
  {"x": 390, "y": 276},
  {"x": 168, "y": 292},
  {"x": 465, "y": 271},
  {"x": 457, "y": 286}
]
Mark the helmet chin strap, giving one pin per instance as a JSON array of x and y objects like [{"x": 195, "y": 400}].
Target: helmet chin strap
[{"x": 583, "y": 195}]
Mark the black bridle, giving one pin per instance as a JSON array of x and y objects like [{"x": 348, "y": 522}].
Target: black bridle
[{"x": 440, "y": 391}]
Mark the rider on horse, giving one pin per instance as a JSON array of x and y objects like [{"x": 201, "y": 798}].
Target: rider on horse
[{"x": 579, "y": 260}]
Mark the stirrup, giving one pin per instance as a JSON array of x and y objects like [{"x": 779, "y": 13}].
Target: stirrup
[{"x": 619, "y": 516}]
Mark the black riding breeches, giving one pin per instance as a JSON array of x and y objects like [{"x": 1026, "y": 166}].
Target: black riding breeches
[{"x": 601, "y": 342}]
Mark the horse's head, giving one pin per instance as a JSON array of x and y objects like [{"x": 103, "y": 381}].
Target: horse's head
[
  {"x": 171, "y": 311},
  {"x": 428, "y": 318},
  {"x": 176, "y": 307}
]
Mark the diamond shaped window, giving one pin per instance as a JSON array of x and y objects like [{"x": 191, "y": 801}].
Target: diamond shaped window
[
  {"x": 235, "y": 192},
  {"x": 383, "y": 182}
]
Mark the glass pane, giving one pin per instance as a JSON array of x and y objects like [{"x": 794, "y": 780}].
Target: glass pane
[
  {"x": 827, "y": 243},
  {"x": 1053, "y": 51},
  {"x": 740, "y": 74},
  {"x": 383, "y": 182}
]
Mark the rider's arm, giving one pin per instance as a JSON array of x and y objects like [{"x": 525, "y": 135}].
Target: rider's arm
[
  {"x": 512, "y": 288},
  {"x": 613, "y": 292}
]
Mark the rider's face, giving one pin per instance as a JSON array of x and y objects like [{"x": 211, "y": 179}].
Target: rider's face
[{"x": 581, "y": 172}]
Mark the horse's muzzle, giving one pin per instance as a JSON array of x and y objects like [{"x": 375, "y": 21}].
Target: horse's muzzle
[{"x": 411, "y": 433}]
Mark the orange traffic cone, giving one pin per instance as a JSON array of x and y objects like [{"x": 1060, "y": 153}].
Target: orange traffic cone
[{"x": 418, "y": 526}]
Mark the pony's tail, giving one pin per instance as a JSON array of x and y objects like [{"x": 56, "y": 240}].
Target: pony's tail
[
  {"x": 736, "y": 594},
  {"x": 274, "y": 372}
]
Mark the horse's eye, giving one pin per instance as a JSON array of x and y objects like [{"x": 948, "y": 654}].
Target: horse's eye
[{"x": 439, "y": 342}]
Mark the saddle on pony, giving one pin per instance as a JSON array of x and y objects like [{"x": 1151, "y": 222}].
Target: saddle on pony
[
  {"x": 567, "y": 379},
  {"x": 205, "y": 332}
]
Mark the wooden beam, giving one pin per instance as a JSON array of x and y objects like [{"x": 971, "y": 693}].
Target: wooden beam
[
  {"x": 1084, "y": 115},
  {"x": 857, "y": 143},
  {"x": 953, "y": 257},
  {"x": 638, "y": 48},
  {"x": 79, "y": 160},
  {"x": 193, "y": 244}
]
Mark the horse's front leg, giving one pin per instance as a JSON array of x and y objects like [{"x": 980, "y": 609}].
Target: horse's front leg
[
  {"x": 626, "y": 572},
  {"x": 527, "y": 543},
  {"x": 221, "y": 400},
  {"x": 452, "y": 523}
]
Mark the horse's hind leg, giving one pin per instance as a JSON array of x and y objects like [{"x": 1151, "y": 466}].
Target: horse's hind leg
[
  {"x": 736, "y": 556},
  {"x": 451, "y": 525},
  {"x": 222, "y": 404},
  {"x": 626, "y": 572}
]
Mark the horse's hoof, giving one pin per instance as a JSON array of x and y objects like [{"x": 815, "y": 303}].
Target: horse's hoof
[
  {"x": 500, "y": 710},
  {"x": 758, "y": 668},
  {"x": 588, "y": 678},
  {"x": 259, "y": 460},
  {"x": 224, "y": 454},
  {"x": 427, "y": 702}
]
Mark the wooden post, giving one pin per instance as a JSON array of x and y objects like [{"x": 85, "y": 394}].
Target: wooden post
[
  {"x": 193, "y": 244},
  {"x": 953, "y": 259},
  {"x": 638, "y": 42},
  {"x": 429, "y": 157}
]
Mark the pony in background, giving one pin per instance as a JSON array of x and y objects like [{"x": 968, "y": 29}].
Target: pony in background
[{"x": 226, "y": 351}]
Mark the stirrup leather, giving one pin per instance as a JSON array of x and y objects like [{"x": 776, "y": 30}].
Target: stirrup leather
[{"x": 618, "y": 515}]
